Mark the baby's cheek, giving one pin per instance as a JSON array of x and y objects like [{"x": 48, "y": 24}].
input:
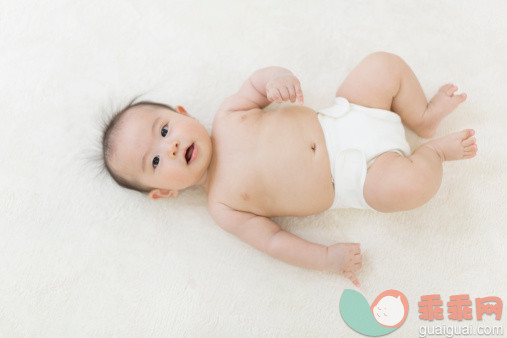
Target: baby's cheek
[{"x": 180, "y": 179}]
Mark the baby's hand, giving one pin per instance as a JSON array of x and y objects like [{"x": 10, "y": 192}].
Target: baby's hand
[
  {"x": 345, "y": 258},
  {"x": 283, "y": 88}
]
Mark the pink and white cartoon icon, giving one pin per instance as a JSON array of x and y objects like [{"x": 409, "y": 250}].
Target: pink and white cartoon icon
[{"x": 390, "y": 308}]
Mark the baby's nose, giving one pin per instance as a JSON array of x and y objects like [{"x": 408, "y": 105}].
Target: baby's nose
[{"x": 173, "y": 150}]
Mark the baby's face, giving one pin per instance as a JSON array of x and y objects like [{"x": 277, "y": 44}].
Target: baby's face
[{"x": 159, "y": 148}]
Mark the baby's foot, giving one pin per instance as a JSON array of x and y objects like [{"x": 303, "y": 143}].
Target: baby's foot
[
  {"x": 441, "y": 105},
  {"x": 456, "y": 146}
]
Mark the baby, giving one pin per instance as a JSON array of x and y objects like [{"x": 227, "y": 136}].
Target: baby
[{"x": 294, "y": 160}]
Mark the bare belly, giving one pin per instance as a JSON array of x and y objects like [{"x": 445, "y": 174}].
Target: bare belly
[{"x": 271, "y": 163}]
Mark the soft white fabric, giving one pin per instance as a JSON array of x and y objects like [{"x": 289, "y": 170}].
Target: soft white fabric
[
  {"x": 80, "y": 256},
  {"x": 355, "y": 136}
]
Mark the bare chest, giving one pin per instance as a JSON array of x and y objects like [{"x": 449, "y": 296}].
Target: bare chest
[{"x": 272, "y": 163}]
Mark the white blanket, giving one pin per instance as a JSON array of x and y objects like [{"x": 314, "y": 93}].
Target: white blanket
[{"x": 80, "y": 256}]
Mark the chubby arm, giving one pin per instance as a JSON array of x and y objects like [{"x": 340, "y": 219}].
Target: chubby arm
[
  {"x": 263, "y": 87},
  {"x": 266, "y": 236}
]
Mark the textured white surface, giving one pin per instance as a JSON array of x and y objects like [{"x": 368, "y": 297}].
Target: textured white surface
[{"x": 82, "y": 257}]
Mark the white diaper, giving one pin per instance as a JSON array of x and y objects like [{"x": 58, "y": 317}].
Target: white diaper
[{"x": 355, "y": 136}]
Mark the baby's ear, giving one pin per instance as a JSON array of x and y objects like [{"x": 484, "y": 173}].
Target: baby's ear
[
  {"x": 156, "y": 194},
  {"x": 181, "y": 110}
]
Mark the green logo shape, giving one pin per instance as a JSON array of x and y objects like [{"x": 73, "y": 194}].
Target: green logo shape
[{"x": 356, "y": 312}]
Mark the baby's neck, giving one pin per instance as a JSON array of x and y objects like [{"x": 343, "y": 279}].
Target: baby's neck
[
  {"x": 204, "y": 181},
  {"x": 206, "y": 178}
]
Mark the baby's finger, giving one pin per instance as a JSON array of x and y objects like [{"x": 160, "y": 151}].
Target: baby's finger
[
  {"x": 277, "y": 96},
  {"x": 352, "y": 276},
  {"x": 269, "y": 96},
  {"x": 285, "y": 93},
  {"x": 354, "y": 248},
  {"x": 299, "y": 93},
  {"x": 354, "y": 268},
  {"x": 292, "y": 93}
]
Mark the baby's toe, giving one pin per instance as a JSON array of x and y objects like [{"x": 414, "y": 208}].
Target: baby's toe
[
  {"x": 469, "y": 141},
  {"x": 459, "y": 97},
  {"x": 450, "y": 89},
  {"x": 465, "y": 133},
  {"x": 445, "y": 88},
  {"x": 472, "y": 148}
]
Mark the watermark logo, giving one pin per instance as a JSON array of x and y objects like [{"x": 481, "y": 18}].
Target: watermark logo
[
  {"x": 460, "y": 308},
  {"x": 386, "y": 314}
]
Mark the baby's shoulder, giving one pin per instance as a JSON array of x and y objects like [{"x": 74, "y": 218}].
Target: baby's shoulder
[{"x": 220, "y": 118}]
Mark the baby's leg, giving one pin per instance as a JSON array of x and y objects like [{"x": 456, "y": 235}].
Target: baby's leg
[
  {"x": 397, "y": 183},
  {"x": 383, "y": 80}
]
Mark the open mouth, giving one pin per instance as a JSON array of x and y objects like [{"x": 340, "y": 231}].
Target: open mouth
[{"x": 189, "y": 153}]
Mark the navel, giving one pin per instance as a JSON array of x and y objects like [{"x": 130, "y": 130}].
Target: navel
[
  {"x": 314, "y": 146},
  {"x": 245, "y": 196}
]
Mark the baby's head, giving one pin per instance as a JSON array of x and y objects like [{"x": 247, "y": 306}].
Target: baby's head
[{"x": 151, "y": 147}]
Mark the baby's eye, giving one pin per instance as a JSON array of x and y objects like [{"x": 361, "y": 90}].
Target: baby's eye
[
  {"x": 156, "y": 159},
  {"x": 164, "y": 130}
]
